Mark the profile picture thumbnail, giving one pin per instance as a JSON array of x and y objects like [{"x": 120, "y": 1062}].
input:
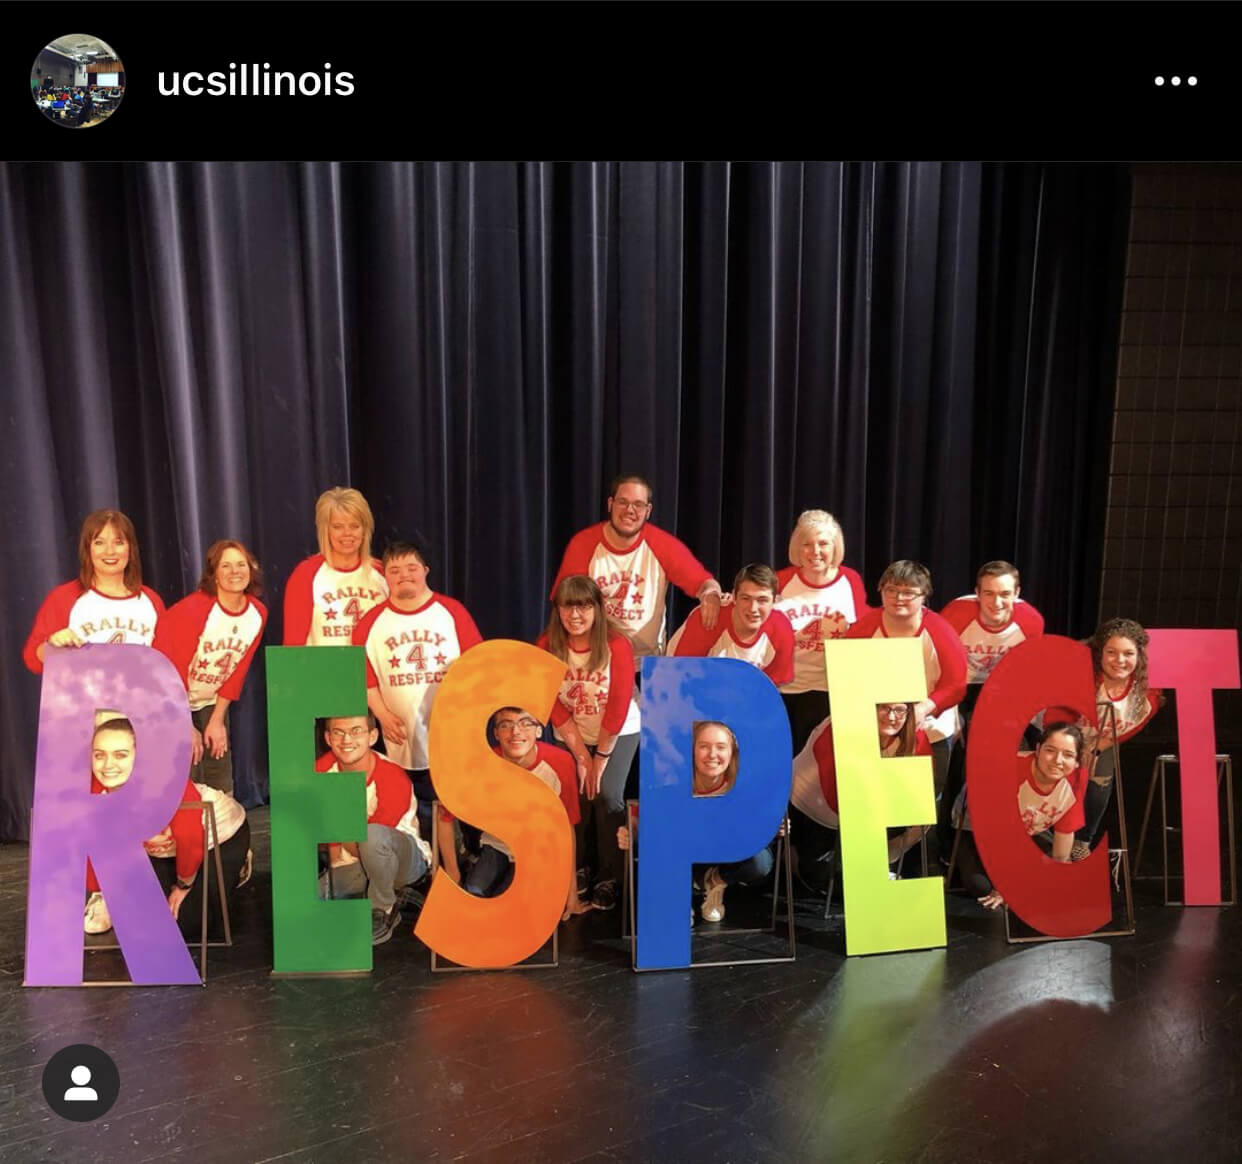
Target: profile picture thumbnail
[{"x": 77, "y": 81}]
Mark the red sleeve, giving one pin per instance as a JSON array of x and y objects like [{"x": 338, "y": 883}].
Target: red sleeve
[
  {"x": 578, "y": 554},
  {"x": 562, "y": 763},
  {"x": 1029, "y": 619},
  {"x": 683, "y": 569},
  {"x": 361, "y": 630},
  {"x": 467, "y": 633},
  {"x": 827, "y": 764},
  {"x": 781, "y": 636},
  {"x": 620, "y": 684},
  {"x": 299, "y": 601},
  {"x": 783, "y": 578},
  {"x": 53, "y": 615},
  {"x": 959, "y": 613},
  {"x": 231, "y": 689},
  {"x": 696, "y": 640},
  {"x": 393, "y": 791},
  {"x": 187, "y": 831},
  {"x": 922, "y": 745},
  {"x": 951, "y": 689},
  {"x": 866, "y": 626},
  {"x": 178, "y": 632}
]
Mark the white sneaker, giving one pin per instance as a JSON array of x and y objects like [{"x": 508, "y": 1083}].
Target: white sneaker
[{"x": 95, "y": 918}]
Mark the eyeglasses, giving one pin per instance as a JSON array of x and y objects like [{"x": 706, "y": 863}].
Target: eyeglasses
[
  {"x": 353, "y": 733},
  {"x": 901, "y": 595},
  {"x": 508, "y": 725},
  {"x": 895, "y": 711},
  {"x": 633, "y": 506}
]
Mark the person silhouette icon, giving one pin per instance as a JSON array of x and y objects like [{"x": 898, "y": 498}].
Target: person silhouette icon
[{"x": 81, "y": 1076}]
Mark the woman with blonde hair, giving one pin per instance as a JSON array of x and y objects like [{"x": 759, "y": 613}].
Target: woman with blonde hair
[
  {"x": 822, "y": 599},
  {"x": 596, "y": 717},
  {"x": 328, "y": 593}
]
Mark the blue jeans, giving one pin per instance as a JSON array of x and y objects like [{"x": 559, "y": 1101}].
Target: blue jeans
[
  {"x": 490, "y": 875},
  {"x": 749, "y": 872},
  {"x": 387, "y": 860}
]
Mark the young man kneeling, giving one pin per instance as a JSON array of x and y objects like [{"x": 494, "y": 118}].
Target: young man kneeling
[{"x": 394, "y": 854}]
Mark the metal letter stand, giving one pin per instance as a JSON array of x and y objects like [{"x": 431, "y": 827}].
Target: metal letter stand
[
  {"x": 211, "y": 844},
  {"x": 442, "y": 966},
  {"x": 1224, "y": 775},
  {"x": 782, "y": 867}
]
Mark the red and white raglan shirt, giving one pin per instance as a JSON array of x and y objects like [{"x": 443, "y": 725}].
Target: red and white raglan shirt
[
  {"x": 556, "y": 768},
  {"x": 817, "y": 613},
  {"x": 985, "y": 646},
  {"x": 944, "y": 663},
  {"x": 390, "y": 802},
  {"x": 1131, "y": 709},
  {"x": 600, "y": 698},
  {"x": 815, "y": 775},
  {"x": 211, "y": 647},
  {"x": 408, "y": 653},
  {"x": 634, "y": 582},
  {"x": 771, "y": 650},
  {"x": 1061, "y": 809},
  {"x": 94, "y": 618},
  {"x": 323, "y": 605}
]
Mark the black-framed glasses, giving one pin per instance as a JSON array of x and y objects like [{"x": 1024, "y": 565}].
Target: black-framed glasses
[{"x": 505, "y": 726}]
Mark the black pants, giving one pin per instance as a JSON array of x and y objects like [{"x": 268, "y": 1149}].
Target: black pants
[
  {"x": 232, "y": 858},
  {"x": 806, "y": 711},
  {"x": 1099, "y": 792}
]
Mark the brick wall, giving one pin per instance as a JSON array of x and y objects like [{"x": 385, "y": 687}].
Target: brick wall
[{"x": 1173, "y": 539}]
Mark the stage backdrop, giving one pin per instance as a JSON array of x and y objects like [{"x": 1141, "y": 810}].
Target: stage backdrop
[{"x": 927, "y": 350}]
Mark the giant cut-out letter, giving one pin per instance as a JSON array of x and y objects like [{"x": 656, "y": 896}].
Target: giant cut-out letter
[
  {"x": 1193, "y": 663},
  {"x": 678, "y": 829},
  {"x": 480, "y": 787},
  {"x": 310, "y": 936},
  {"x": 1061, "y": 900},
  {"x": 70, "y": 826},
  {"x": 874, "y": 793}
]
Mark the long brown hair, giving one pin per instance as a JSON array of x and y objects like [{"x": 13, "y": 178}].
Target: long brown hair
[
  {"x": 907, "y": 737},
  {"x": 91, "y": 528},
  {"x": 215, "y": 551},
  {"x": 579, "y": 590}
]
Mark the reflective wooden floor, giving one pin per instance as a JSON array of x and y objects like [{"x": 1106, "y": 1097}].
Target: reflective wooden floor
[{"x": 1123, "y": 1048}]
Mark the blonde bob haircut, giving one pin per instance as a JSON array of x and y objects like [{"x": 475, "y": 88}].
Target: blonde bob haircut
[
  {"x": 351, "y": 503},
  {"x": 813, "y": 521}
]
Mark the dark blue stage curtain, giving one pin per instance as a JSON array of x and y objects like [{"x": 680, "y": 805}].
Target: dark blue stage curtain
[{"x": 925, "y": 349}]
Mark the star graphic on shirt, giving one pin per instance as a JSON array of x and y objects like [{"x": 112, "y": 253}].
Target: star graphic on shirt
[
  {"x": 330, "y": 613},
  {"x": 394, "y": 662},
  {"x": 441, "y": 659},
  {"x": 637, "y": 598}
]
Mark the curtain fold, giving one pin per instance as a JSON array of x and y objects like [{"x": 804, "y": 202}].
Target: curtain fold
[{"x": 926, "y": 349}]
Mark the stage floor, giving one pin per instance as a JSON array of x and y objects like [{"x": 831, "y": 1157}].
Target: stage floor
[{"x": 1125, "y": 1048}]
